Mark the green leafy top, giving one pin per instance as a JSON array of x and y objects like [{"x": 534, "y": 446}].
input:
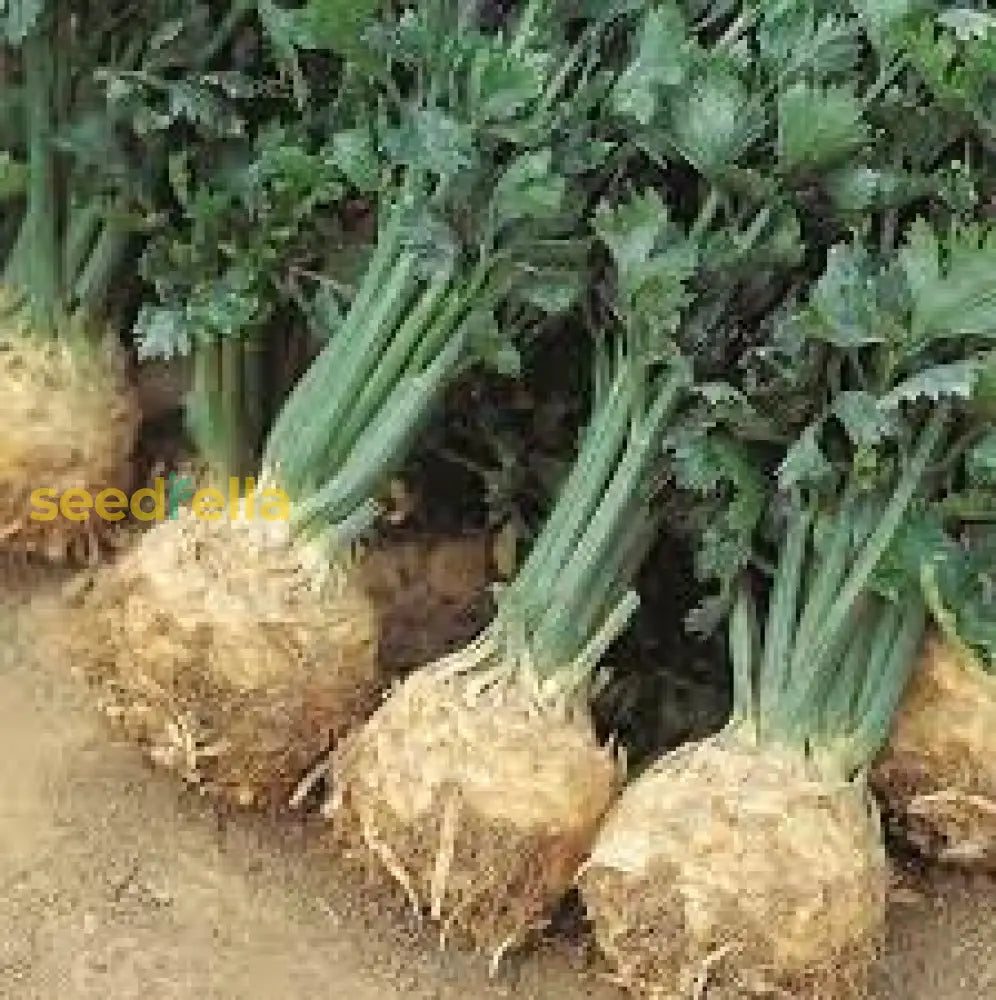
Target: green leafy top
[
  {"x": 961, "y": 593},
  {"x": 825, "y": 105},
  {"x": 827, "y": 674},
  {"x": 952, "y": 565},
  {"x": 480, "y": 153},
  {"x": 839, "y": 383},
  {"x": 69, "y": 136},
  {"x": 914, "y": 328},
  {"x": 474, "y": 142}
]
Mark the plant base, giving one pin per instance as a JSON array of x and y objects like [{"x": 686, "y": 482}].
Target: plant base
[
  {"x": 69, "y": 422},
  {"x": 480, "y": 803},
  {"x": 938, "y": 773},
  {"x": 206, "y": 645},
  {"x": 741, "y": 871}
]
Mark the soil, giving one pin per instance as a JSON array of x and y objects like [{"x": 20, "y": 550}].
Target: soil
[{"x": 116, "y": 884}]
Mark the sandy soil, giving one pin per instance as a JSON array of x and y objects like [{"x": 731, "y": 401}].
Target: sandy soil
[{"x": 115, "y": 884}]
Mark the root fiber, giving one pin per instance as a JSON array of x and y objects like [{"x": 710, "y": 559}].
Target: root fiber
[
  {"x": 728, "y": 871},
  {"x": 478, "y": 801},
  {"x": 210, "y": 645}
]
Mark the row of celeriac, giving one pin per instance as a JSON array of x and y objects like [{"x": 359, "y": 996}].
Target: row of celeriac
[{"x": 766, "y": 226}]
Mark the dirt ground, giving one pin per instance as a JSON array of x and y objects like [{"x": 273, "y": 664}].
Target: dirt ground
[{"x": 115, "y": 884}]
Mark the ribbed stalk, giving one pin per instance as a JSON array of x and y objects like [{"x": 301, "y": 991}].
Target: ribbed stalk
[
  {"x": 580, "y": 494},
  {"x": 809, "y": 661},
  {"x": 781, "y": 620},
  {"x": 609, "y": 588},
  {"x": 215, "y": 407},
  {"x": 254, "y": 397},
  {"x": 84, "y": 223},
  {"x": 307, "y": 424},
  {"x": 322, "y": 387},
  {"x": 744, "y": 643},
  {"x": 381, "y": 446},
  {"x": 95, "y": 279},
  {"x": 887, "y": 691},
  {"x": 830, "y": 567},
  {"x": 838, "y": 701},
  {"x": 617, "y": 506},
  {"x": 232, "y": 447},
  {"x": 42, "y": 275},
  {"x": 393, "y": 361},
  {"x": 200, "y": 418}
]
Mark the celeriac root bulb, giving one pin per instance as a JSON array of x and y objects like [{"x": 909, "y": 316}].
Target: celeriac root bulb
[
  {"x": 69, "y": 422},
  {"x": 739, "y": 869},
  {"x": 938, "y": 772},
  {"x": 477, "y": 800},
  {"x": 210, "y": 646}
]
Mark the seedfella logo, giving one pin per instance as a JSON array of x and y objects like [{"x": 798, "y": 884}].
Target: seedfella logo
[{"x": 207, "y": 504}]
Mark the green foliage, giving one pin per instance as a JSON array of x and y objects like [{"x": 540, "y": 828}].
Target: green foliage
[
  {"x": 18, "y": 19},
  {"x": 982, "y": 461},
  {"x": 337, "y": 25},
  {"x": 222, "y": 274},
  {"x": 788, "y": 202},
  {"x": 13, "y": 177},
  {"x": 956, "y": 576},
  {"x": 951, "y": 286},
  {"x": 661, "y": 61},
  {"x": 654, "y": 263},
  {"x": 818, "y": 126},
  {"x": 968, "y": 586}
]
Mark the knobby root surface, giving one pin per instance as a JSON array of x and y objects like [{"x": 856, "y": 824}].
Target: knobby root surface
[
  {"x": 937, "y": 774},
  {"x": 209, "y": 645},
  {"x": 724, "y": 871},
  {"x": 480, "y": 804},
  {"x": 69, "y": 422}
]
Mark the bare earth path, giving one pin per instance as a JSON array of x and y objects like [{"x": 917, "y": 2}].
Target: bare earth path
[{"x": 114, "y": 886}]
